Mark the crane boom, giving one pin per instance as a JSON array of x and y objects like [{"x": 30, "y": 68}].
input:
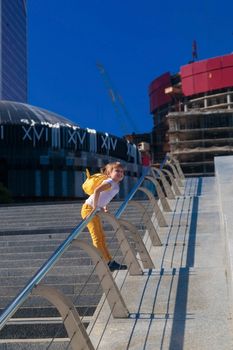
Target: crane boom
[{"x": 117, "y": 101}]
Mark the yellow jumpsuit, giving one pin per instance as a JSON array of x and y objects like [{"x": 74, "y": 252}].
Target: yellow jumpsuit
[{"x": 96, "y": 231}]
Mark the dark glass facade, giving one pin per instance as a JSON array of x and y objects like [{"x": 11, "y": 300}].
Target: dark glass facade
[
  {"x": 44, "y": 155},
  {"x": 13, "y": 46}
]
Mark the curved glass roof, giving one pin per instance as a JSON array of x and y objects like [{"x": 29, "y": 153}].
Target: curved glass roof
[{"x": 22, "y": 113}]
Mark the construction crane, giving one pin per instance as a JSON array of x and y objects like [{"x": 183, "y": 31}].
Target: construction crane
[{"x": 121, "y": 111}]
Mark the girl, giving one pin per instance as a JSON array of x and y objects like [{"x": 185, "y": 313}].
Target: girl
[{"x": 102, "y": 195}]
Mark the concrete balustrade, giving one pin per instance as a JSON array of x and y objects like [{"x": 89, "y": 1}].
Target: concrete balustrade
[
  {"x": 173, "y": 182},
  {"x": 163, "y": 200},
  {"x": 158, "y": 174}
]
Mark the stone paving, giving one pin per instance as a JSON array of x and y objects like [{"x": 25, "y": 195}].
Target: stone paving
[{"x": 185, "y": 302}]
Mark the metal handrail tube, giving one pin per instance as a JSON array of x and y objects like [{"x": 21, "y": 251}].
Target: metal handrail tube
[{"x": 45, "y": 268}]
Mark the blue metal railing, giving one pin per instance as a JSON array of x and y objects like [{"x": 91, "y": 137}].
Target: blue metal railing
[
  {"x": 46, "y": 267},
  {"x": 41, "y": 273}
]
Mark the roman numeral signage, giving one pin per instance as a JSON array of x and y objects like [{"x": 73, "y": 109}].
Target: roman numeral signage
[
  {"x": 75, "y": 137},
  {"x": 62, "y": 137},
  {"x": 108, "y": 142}
]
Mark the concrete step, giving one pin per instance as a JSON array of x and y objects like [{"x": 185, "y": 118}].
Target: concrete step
[
  {"x": 61, "y": 271},
  {"x": 12, "y": 255},
  {"x": 32, "y": 252},
  {"x": 67, "y": 289},
  {"x": 48, "y": 312},
  {"x": 48, "y": 210},
  {"x": 83, "y": 265},
  {"x": 19, "y": 257},
  {"x": 34, "y": 331},
  {"x": 88, "y": 300},
  {"x": 73, "y": 281},
  {"x": 34, "y": 344},
  {"x": 46, "y": 249},
  {"x": 50, "y": 280},
  {"x": 78, "y": 261}
]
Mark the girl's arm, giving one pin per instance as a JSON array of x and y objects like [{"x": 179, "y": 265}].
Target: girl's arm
[{"x": 100, "y": 188}]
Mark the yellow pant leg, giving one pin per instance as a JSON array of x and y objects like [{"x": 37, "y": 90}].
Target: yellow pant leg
[{"x": 96, "y": 232}]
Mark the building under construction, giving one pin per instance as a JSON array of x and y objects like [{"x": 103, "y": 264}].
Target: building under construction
[{"x": 193, "y": 114}]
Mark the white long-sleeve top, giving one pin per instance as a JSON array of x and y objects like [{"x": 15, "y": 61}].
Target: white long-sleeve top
[{"x": 105, "y": 196}]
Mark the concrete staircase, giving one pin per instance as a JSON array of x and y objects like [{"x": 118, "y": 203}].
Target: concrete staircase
[{"x": 29, "y": 234}]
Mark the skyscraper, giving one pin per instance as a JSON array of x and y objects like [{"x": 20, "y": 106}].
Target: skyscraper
[{"x": 13, "y": 50}]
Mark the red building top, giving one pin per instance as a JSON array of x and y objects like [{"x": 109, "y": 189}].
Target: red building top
[
  {"x": 197, "y": 77},
  {"x": 207, "y": 75},
  {"x": 157, "y": 91}
]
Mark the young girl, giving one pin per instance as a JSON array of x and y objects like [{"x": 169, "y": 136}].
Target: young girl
[{"x": 102, "y": 195}]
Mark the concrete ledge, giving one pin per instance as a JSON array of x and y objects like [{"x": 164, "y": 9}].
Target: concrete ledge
[{"x": 224, "y": 181}]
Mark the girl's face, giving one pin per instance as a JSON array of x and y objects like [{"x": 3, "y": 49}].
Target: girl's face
[{"x": 117, "y": 174}]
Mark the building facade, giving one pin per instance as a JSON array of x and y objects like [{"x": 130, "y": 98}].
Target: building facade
[
  {"x": 43, "y": 156},
  {"x": 193, "y": 114},
  {"x": 13, "y": 50}
]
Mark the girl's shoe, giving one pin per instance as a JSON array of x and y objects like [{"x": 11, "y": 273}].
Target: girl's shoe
[{"x": 113, "y": 265}]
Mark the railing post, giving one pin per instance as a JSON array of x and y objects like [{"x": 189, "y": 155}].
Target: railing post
[
  {"x": 176, "y": 175},
  {"x": 162, "y": 198},
  {"x": 113, "y": 295},
  {"x": 155, "y": 240},
  {"x": 174, "y": 184},
  {"x": 79, "y": 339},
  {"x": 127, "y": 251},
  {"x": 166, "y": 185},
  {"x": 140, "y": 246},
  {"x": 177, "y": 164},
  {"x": 156, "y": 209}
]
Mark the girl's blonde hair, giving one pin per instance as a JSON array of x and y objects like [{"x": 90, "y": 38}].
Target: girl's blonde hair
[{"x": 107, "y": 169}]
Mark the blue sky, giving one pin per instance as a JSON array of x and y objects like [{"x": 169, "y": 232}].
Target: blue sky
[{"x": 136, "y": 41}]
